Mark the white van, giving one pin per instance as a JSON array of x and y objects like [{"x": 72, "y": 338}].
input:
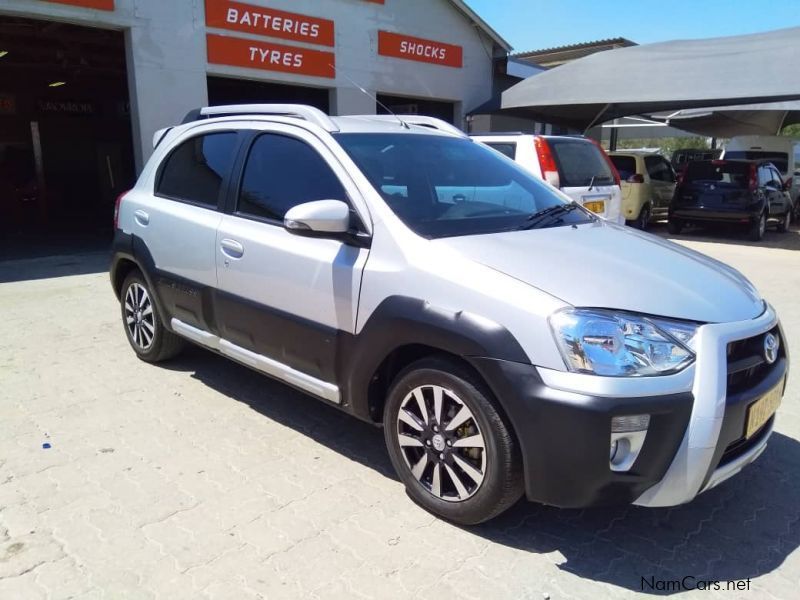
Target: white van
[
  {"x": 576, "y": 165},
  {"x": 781, "y": 151}
]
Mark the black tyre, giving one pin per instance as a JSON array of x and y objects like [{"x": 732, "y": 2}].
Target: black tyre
[
  {"x": 785, "y": 222},
  {"x": 143, "y": 323},
  {"x": 757, "y": 228},
  {"x": 674, "y": 226},
  {"x": 449, "y": 444},
  {"x": 644, "y": 218}
]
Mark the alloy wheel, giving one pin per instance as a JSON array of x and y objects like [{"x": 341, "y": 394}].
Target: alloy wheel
[
  {"x": 139, "y": 317},
  {"x": 441, "y": 442}
]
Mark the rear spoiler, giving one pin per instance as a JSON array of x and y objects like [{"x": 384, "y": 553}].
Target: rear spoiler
[{"x": 159, "y": 136}]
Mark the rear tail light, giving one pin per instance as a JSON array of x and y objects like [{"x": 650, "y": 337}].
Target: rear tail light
[
  {"x": 610, "y": 163},
  {"x": 546, "y": 161},
  {"x": 117, "y": 205},
  {"x": 680, "y": 176},
  {"x": 787, "y": 185},
  {"x": 635, "y": 178},
  {"x": 752, "y": 183}
]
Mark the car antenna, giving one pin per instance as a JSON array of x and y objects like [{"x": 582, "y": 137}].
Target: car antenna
[{"x": 375, "y": 98}]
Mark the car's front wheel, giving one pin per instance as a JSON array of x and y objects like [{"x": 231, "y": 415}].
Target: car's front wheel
[
  {"x": 143, "y": 323},
  {"x": 674, "y": 226},
  {"x": 448, "y": 443},
  {"x": 785, "y": 222}
]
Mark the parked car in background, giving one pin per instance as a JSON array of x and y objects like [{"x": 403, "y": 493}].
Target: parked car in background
[
  {"x": 578, "y": 166},
  {"x": 781, "y": 151},
  {"x": 684, "y": 155},
  {"x": 731, "y": 191},
  {"x": 647, "y": 181}
]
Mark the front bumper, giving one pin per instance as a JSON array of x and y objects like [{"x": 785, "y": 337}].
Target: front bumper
[{"x": 694, "y": 441}]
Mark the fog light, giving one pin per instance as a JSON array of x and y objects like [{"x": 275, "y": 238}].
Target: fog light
[{"x": 627, "y": 438}]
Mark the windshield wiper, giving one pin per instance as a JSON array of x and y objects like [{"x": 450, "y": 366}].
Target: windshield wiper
[
  {"x": 591, "y": 182},
  {"x": 534, "y": 220}
]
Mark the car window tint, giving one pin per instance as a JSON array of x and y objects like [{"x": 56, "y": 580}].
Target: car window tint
[
  {"x": 507, "y": 148},
  {"x": 579, "y": 161},
  {"x": 658, "y": 169},
  {"x": 722, "y": 174},
  {"x": 194, "y": 171},
  {"x": 626, "y": 165},
  {"x": 764, "y": 175},
  {"x": 779, "y": 159},
  {"x": 282, "y": 172}
]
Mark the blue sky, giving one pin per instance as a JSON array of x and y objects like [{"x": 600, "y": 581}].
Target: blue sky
[{"x": 535, "y": 24}]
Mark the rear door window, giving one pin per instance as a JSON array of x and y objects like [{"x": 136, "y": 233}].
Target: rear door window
[
  {"x": 507, "y": 148},
  {"x": 658, "y": 169},
  {"x": 626, "y": 165},
  {"x": 723, "y": 174},
  {"x": 195, "y": 170},
  {"x": 579, "y": 161}
]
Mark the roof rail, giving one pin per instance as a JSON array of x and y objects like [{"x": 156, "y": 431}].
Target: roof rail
[
  {"x": 301, "y": 111},
  {"x": 421, "y": 121}
]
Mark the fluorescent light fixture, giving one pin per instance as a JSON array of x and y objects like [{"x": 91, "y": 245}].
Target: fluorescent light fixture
[
  {"x": 3, "y": 53},
  {"x": 57, "y": 84}
]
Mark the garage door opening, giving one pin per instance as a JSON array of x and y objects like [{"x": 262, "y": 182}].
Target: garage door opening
[
  {"x": 400, "y": 105},
  {"x": 224, "y": 90},
  {"x": 66, "y": 147}
]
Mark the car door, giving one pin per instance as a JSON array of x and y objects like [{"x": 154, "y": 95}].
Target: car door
[
  {"x": 662, "y": 181},
  {"x": 284, "y": 297},
  {"x": 778, "y": 197},
  {"x": 177, "y": 223}
]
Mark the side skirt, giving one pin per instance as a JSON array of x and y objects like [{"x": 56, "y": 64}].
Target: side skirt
[{"x": 259, "y": 362}]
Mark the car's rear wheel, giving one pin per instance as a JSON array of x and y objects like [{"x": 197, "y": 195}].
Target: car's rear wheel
[
  {"x": 449, "y": 444},
  {"x": 143, "y": 323},
  {"x": 674, "y": 226},
  {"x": 758, "y": 228},
  {"x": 785, "y": 222},
  {"x": 644, "y": 218}
]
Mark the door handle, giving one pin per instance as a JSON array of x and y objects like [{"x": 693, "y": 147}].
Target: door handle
[
  {"x": 231, "y": 248},
  {"x": 141, "y": 217}
]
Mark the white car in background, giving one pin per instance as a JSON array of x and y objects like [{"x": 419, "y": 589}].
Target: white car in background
[{"x": 576, "y": 165}]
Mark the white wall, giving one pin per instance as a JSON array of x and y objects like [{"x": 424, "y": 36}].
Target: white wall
[{"x": 167, "y": 67}]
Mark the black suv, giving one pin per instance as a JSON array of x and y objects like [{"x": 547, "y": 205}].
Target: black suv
[{"x": 749, "y": 192}]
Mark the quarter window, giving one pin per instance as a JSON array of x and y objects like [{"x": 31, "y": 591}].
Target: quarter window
[
  {"x": 282, "y": 172},
  {"x": 195, "y": 170},
  {"x": 658, "y": 169}
]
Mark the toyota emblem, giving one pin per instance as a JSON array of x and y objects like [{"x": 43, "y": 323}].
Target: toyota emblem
[{"x": 771, "y": 345}]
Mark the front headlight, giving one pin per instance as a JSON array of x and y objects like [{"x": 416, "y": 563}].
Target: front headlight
[{"x": 618, "y": 344}]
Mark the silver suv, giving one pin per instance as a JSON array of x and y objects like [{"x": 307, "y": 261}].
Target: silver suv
[{"x": 421, "y": 281}]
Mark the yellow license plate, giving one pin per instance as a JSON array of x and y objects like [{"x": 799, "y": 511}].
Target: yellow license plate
[
  {"x": 596, "y": 206},
  {"x": 762, "y": 409}
]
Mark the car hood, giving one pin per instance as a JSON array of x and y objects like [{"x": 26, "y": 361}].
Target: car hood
[{"x": 603, "y": 265}]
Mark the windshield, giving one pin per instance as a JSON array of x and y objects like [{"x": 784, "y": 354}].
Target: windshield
[
  {"x": 580, "y": 163},
  {"x": 445, "y": 186},
  {"x": 779, "y": 159}
]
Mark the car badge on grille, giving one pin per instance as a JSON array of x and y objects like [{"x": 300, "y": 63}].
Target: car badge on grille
[{"x": 771, "y": 345}]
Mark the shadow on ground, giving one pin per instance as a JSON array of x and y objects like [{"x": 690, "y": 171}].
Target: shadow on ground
[
  {"x": 742, "y": 529},
  {"x": 736, "y": 236}
]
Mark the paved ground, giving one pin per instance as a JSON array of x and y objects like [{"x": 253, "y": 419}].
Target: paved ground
[{"x": 202, "y": 479}]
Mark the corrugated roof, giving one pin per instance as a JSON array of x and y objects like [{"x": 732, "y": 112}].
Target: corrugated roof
[{"x": 610, "y": 41}]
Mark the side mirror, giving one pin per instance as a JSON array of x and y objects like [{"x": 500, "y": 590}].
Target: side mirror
[{"x": 320, "y": 216}]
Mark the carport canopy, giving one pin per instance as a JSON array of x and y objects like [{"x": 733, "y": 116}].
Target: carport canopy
[
  {"x": 665, "y": 76},
  {"x": 726, "y": 121}
]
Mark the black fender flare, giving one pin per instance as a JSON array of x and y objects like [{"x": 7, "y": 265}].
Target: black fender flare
[{"x": 400, "y": 321}]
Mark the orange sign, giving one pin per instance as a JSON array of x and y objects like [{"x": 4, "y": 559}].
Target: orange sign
[
  {"x": 240, "y": 52},
  {"x": 419, "y": 49},
  {"x": 98, "y": 4},
  {"x": 237, "y": 16}
]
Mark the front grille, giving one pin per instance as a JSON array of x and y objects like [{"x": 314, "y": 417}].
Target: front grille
[
  {"x": 742, "y": 445},
  {"x": 747, "y": 365}
]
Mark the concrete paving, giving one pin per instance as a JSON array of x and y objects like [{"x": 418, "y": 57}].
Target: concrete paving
[{"x": 203, "y": 479}]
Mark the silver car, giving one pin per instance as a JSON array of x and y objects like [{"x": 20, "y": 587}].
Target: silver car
[{"x": 509, "y": 341}]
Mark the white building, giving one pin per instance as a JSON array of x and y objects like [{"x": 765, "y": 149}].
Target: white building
[{"x": 112, "y": 72}]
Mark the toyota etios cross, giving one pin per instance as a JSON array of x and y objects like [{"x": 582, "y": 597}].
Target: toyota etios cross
[{"x": 508, "y": 340}]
